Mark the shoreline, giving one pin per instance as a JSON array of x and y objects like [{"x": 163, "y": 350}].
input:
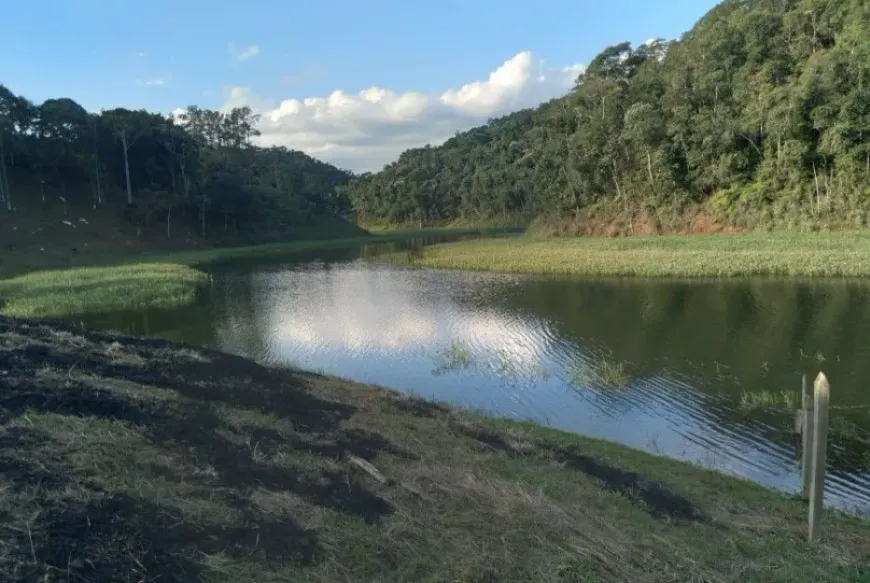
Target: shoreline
[
  {"x": 791, "y": 255},
  {"x": 157, "y": 279},
  {"x": 260, "y": 472},
  {"x": 207, "y": 255}
]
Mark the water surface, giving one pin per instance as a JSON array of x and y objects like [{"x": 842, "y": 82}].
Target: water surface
[{"x": 705, "y": 371}]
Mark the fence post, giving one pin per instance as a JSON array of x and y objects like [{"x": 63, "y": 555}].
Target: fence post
[
  {"x": 821, "y": 398},
  {"x": 806, "y": 437}
]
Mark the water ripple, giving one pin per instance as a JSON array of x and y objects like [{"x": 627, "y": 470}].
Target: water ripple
[{"x": 661, "y": 366}]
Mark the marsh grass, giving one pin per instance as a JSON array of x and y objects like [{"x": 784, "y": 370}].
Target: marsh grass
[
  {"x": 457, "y": 356},
  {"x": 507, "y": 366},
  {"x": 605, "y": 372},
  {"x": 141, "y": 464},
  {"x": 761, "y": 400},
  {"x": 848, "y": 430},
  {"x": 96, "y": 289},
  {"x": 840, "y": 254},
  {"x": 460, "y": 357}
]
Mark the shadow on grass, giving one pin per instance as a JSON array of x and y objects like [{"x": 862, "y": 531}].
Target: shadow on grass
[
  {"x": 658, "y": 500},
  {"x": 120, "y": 538},
  {"x": 420, "y": 407},
  {"x": 105, "y": 534}
]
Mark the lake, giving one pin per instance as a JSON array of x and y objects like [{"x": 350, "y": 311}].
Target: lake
[{"x": 704, "y": 371}]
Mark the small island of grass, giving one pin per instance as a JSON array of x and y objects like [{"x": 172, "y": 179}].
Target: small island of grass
[{"x": 84, "y": 290}]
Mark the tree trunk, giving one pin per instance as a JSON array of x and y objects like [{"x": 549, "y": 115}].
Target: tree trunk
[
  {"x": 172, "y": 178},
  {"x": 649, "y": 168},
  {"x": 99, "y": 184},
  {"x": 184, "y": 179},
  {"x": 202, "y": 216},
  {"x": 574, "y": 194},
  {"x": 619, "y": 193},
  {"x": 4, "y": 176},
  {"x": 127, "y": 166},
  {"x": 4, "y": 195}
]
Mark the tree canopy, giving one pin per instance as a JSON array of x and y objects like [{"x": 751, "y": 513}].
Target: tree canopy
[
  {"x": 759, "y": 114},
  {"x": 201, "y": 162}
]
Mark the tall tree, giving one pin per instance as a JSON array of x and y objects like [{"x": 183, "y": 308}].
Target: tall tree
[
  {"x": 202, "y": 166},
  {"x": 758, "y": 114}
]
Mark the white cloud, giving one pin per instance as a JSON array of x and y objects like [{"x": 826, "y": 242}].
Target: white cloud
[
  {"x": 154, "y": 82},
  {"x": 249, "y": 52},
  {"x": 175, "y": 115},
  {"x": 365, "y": 130}
]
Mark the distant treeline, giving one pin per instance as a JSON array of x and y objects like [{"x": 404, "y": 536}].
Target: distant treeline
[
  {"x": 759, "y": 115},
  {"x": 201, "y": 162}
]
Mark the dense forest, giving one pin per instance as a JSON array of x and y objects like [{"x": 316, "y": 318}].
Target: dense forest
[
  {"x": 198, "y": 167},
  {"x": 759, "y": 115}
]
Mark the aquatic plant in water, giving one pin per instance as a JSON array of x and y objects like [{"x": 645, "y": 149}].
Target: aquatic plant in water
[
  {"x": 754, "y": 401},
  {"x": 606, "y": 372},
  {"x": 457, "y": 356}
]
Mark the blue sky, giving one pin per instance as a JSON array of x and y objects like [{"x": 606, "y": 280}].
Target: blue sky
[{"x": 161, "y": 55}]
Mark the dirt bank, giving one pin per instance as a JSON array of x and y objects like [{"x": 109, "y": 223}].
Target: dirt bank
[{"x": 131, "y": 459}]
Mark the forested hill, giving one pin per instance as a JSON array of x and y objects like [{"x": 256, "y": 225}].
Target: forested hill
[
  {"x": 759, "y": 115},
  {"x": 196, "y": 173}
]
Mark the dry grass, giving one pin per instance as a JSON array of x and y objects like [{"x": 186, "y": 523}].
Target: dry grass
[{"x": 128, "y": 459}]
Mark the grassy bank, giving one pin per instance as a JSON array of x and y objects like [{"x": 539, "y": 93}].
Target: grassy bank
[
  {"x": 96, "y": 289},
  {"x": 226, "y": 254},
  {"x": 127, "y": 459},
  {"x": 18, "y": 261},
  {"x": 845, "y": 254},
  {"x": 512, "y": 223},
  {"x": 151, "y": 279}
]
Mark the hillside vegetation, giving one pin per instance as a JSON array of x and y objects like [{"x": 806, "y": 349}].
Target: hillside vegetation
[
  {"x": 757, "y": 117},
  {"x": 127, "y": 180}
]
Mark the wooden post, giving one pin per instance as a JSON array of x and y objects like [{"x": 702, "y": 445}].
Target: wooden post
[
  {"x": 822, "y": 390},
  {"x": 806, "y": 437}
]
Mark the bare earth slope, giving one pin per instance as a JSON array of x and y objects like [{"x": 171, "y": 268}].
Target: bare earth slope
[{"x": 130, "y": 459}]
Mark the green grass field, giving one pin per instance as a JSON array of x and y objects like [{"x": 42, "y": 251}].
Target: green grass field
[
  {"x": 82, "y": 290},
  {"x": 842, "y": 254},
  {"x": 129, "y": 459}
]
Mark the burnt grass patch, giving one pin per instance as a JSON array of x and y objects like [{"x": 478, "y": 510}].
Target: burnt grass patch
[
  {"x": 658, "y": 500},
  {"x": 134, "y": 459}
]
